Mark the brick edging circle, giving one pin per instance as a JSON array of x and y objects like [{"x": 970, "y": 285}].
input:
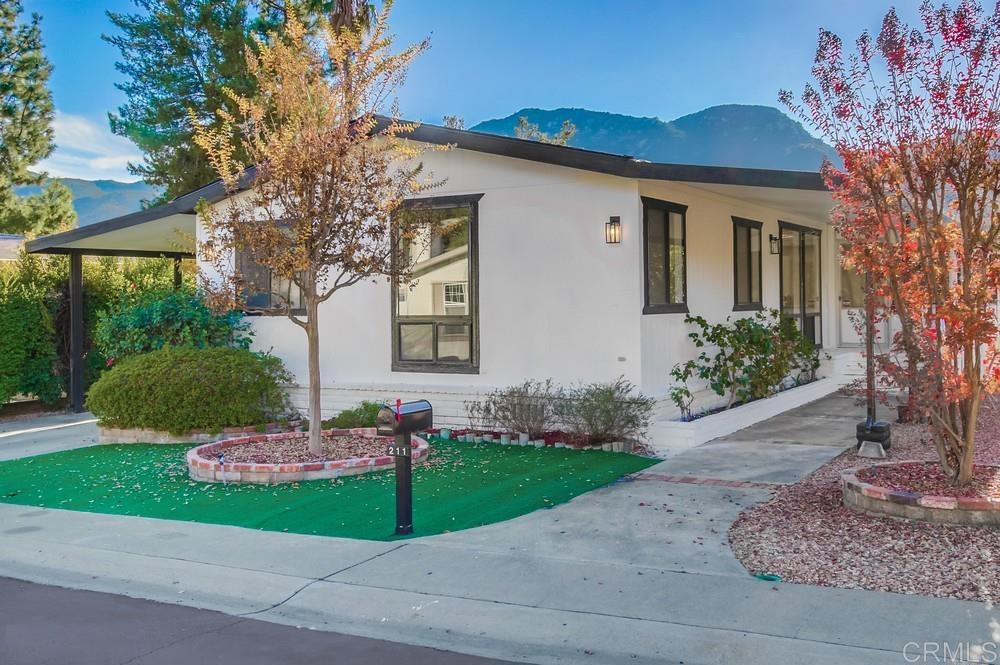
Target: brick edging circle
[
  {"x": 866, "y": 497},
  {"x": 203, "y": 463}
]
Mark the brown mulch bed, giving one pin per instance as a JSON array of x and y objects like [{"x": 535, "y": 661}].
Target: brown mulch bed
[
  {"x": 293, "y": 451},
  {"x": 806, "y": 535},
  {"x": 929, "y": 478}
]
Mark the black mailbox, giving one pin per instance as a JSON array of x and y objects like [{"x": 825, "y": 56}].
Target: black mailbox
[
  {"x": 404, "y": 418},
  {"x": 401, "y": 420}
]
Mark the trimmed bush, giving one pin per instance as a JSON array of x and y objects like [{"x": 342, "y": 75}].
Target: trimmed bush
[
  {"x": 183, "y": 389},
  {"x": 606, "y": 412},
  {"x": 363, "y": 415},
  {"x": 528, "y": 407},
  {"x": 172, "y": 318}
]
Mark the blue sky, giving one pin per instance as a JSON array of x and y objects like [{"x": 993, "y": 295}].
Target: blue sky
[{"x": 663, "y": 58}]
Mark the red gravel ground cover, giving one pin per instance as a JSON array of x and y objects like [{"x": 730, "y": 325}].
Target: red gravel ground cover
[
  {"x": 291, "y": 451},
  {"x": 806, "y": 535},
  {"x": 929, "y": 478}
]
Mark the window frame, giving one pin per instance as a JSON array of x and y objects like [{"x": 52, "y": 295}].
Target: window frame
[
  {"x": 297, "y": 311},
  {"x": 751, "y": 305},
  {"x": 471, "y": 319},
  {"x": 667, "y": 207}
]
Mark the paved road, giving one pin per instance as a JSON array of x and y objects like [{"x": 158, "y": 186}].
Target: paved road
[{"x": 54, "y": 626}]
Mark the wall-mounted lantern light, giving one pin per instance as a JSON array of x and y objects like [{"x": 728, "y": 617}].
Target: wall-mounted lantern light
[
  {"x": 613, "y": 231},
  {"x": 775, "y": 244}
]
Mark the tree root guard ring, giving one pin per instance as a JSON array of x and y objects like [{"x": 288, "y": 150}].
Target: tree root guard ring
[
  {"x": 204, "y": 465},
  {"x": 869, "y": 498}
]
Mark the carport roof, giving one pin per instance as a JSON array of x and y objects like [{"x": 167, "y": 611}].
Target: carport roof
[{"x": 169, "y": 229}]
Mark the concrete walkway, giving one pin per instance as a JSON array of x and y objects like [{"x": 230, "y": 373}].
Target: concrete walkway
[{"x": 637, "y": 572}]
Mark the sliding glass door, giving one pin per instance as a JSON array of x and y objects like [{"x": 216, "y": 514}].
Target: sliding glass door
[{"x": 801, "y": 281}]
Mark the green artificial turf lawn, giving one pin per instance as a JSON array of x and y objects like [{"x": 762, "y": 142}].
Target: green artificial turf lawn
[{"x": 463, "y": 486}]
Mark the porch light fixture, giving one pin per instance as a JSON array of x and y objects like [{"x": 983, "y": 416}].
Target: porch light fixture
[
  {"x": 613, "y": 231},
  {"x": 775, "y": 244}
]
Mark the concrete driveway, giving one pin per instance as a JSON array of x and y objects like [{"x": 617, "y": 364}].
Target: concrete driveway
[
  {"x": 46, "y": 434},
  {"x": 637, "y": 572}
]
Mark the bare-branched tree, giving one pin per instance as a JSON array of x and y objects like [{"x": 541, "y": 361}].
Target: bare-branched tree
[{"x": 314, "y": 210}]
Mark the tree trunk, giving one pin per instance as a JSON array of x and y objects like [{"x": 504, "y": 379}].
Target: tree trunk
[
  {"x": 315, "y": 406},
  {"x": 964, "y": 476},
  {"x": 965, "y": 465}
]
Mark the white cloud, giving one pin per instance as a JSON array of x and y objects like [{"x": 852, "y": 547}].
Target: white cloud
[{"x": 87, "y": 149}]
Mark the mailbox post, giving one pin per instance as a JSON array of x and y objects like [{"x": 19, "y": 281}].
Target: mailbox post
[{"x": 400, "y": 421}]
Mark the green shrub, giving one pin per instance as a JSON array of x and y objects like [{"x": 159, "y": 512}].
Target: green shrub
[
  {"x": 606, "y": 412},
  {"x": 744, "y": 359},
  {"x": 27, "y": 347},
  {"x": 172, "y": 318},
  {"x": 182, "y": 389},
  {"x": 34, "y": 315},
  {"x": 363, "y": 415}
]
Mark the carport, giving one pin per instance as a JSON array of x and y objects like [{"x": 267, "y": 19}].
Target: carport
[{"x": 166, "y": 231}]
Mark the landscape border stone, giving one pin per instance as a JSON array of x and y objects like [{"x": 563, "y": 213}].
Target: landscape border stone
[
  {"x": 872, "y": 499},
  {"x": 145, "y": 435},
  {"x": 204, "y": 465}
]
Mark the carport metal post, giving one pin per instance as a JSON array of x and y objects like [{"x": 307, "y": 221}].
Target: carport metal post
[{"x": 76, "y": 331}]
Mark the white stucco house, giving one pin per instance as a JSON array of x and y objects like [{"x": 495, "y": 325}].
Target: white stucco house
[{"x": 556, "y": 262}]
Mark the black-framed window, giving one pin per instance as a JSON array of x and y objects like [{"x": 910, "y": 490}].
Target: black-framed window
[
  {"x": 664, "y": 227},
  {"x": 746, "y": 264},
  {"x": 435, "y": 317},
  {"x": 264, "y": 294}
]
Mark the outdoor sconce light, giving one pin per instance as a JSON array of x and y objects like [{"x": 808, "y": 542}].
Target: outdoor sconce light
[
  {"x": 613, "y": 231},
  {"x": 775, "y": 244}
]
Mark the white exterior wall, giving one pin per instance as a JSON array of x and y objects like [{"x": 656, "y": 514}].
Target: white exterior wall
[
  {"x": 555, "y": 300},
  {"x": 710, "y": 274}
]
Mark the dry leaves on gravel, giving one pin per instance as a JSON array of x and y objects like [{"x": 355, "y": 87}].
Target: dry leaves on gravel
[
  {"x": 806, "y": 535},
  {"x": 293, "y": 451}
]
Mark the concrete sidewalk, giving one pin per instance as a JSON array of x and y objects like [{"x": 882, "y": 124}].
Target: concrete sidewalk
[{"x": 636, "y": 572}]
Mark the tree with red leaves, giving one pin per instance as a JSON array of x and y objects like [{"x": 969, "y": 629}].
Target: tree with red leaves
[{"x": 915, "y": 117}]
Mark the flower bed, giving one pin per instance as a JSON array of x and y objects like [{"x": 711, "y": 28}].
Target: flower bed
[
  {"x": 806, "y": 534},
  {"x": 552, "y": 439},
  {"x": 920, "y": 490},
  {"x": 235, "y": 460},
  {"x": 929, "y": 478},
  {"x": 674, "y": 435}
]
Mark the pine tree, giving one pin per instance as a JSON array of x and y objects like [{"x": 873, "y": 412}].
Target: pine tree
[
  {"x": 178, "y": 57},
  {"x": 26, "y": 135}
]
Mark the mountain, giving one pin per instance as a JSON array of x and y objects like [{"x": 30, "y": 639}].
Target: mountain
[
  {"x": 730, "y": 135},
  {"x": 97, "y": 200}
]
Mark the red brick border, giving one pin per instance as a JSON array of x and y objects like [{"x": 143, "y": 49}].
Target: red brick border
[
  {"x": 715, "y": 482},
  {"x": 203, "y": 463},
  {"x": 869, "y": 498}
]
